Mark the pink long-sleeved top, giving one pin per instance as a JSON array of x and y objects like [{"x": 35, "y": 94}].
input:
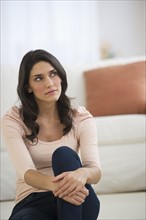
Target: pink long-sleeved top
[{"x": 24, "y": 156}]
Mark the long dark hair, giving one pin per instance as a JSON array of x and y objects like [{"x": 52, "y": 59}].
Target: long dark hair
[{"x": 29, "y": 109}]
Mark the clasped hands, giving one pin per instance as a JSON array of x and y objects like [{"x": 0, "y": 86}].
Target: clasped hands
[{"x": 70, "y": 186}]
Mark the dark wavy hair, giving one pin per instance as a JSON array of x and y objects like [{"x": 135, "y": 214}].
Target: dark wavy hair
[{"x": 29, "y": 108}]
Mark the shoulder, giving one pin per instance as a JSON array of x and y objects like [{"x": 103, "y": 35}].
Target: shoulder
[
  {"x": 11, "y": 121},
  {"x": 84, "y": 123},
  {"x": 13, "y": 112},
  {"x": 12, "y": 116},
  {"x": 81, "y": 114}
]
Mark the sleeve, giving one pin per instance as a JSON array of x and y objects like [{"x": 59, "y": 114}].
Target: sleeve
[
  {"x": 12, "y": 134},
  {"x": 87, "y": 137}
]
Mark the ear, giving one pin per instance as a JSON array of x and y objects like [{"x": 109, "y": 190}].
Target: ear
[{"x": 28, "y": 89}]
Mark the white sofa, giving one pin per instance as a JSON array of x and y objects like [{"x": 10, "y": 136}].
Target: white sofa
[
  {"x": 122, "y": 153},
  {"x": 121, "y": 140}
]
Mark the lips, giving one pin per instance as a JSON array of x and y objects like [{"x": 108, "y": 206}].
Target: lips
[{"x": 50, "y": 92}]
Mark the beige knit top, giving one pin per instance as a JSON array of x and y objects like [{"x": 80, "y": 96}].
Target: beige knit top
[{"x": 24, "y": 156}]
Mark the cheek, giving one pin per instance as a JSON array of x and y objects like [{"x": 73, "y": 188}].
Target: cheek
[
  {"x": 58, "y": 82},
  {"x": 37, "y": 89}
]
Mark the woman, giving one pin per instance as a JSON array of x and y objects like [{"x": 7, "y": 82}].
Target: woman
[{"x": 43, "y": 137}]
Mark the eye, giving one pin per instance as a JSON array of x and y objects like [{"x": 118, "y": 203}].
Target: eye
[
  {"x": 53, "y": 73},
  {"x": 38, "y": 78}
]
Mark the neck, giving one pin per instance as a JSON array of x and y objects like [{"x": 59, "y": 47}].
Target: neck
[{"x": 48, "y": 111}]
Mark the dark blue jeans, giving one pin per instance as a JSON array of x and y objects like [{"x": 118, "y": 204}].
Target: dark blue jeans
[{"x": 44, "y": 206}]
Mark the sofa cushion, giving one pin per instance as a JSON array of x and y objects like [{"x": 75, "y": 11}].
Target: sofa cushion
[
  {"x": 121, "y": 129},
  {"x": 123, "y": 168},
  {"x": 8, "y": 176},
  {"x": 117, "y": 89}
]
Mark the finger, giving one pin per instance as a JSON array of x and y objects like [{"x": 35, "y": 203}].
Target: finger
[
  {"x": 81, "y": 189},
  {"x": 74, "y": 201},
  {"x": 59, "y": 177},
  {"x": 63, "y": 184},
  {"x": 67, "y": 190},
  {"x": 78, "y": 199},
  {"x": 61, "y": 188},
  {"x": 85, "y": 191},
  {"x": 76, "y": 190},
  {"x": 81, "y": 195},
  {"x": 73, "y": 190}
]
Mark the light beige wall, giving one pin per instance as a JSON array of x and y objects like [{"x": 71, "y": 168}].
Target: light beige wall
[
  {"x": 65, "y": 28},
  {"x": 122, "y": 25}
]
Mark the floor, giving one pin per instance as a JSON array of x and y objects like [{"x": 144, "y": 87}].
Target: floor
[{"x": 122, "y": 206}]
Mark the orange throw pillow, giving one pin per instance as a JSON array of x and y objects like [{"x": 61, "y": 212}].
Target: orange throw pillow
[{"x": 115, "y": 90}]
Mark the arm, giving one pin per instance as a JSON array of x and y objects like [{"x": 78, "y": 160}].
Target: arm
[
  {"x": 41, "y": 181},
  {"x": 90, "y": 173},
  {"x": 93, "y": 174},
  {"x": 72, "y": 182},
  {"x": 13, "y": 134},
  {"x": 89, "y": 150}
]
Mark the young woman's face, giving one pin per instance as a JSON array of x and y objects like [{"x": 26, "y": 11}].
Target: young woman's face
[{"x": 44, "y": 82}]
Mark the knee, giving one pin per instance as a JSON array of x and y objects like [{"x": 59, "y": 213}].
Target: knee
[
  {"x": 65, "y": 154},
  {"x": 62, "y": 152},
  {"x": 65, "y": 159}
]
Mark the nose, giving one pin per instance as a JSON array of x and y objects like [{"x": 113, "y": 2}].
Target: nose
[{"x": 49, "y": 82}]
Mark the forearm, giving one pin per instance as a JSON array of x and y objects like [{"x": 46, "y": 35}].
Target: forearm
[
  {"x": 72, "y": 182},
  {"x": 38, "y": 180},
  {"x": 92, "y": 174},
  {"x": 44, "y": 182}
]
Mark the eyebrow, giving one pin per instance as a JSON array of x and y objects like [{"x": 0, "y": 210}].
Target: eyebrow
[{"x": 40, "y": 74}]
